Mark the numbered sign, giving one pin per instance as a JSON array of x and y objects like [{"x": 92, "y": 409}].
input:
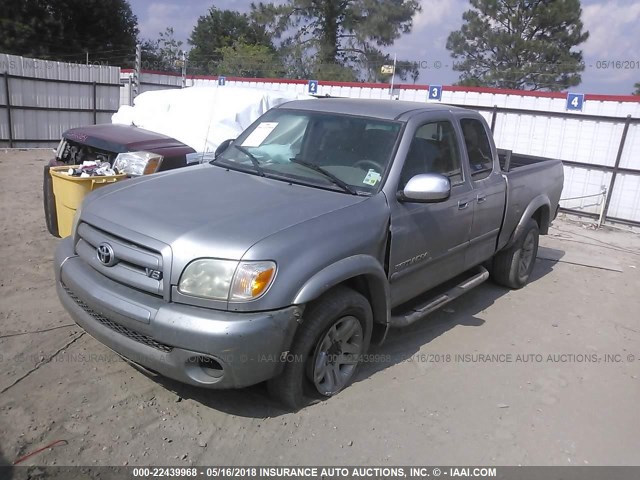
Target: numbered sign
[
  {"x": 222, "y": 81},
  {"x": 435, "y": 92},
  {"x": 575, "y": 101},
  {"x": 313, "y": 87}
]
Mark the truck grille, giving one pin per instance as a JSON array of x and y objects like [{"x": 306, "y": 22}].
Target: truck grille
[
  {"x": 135, "y": 266},
  {"x": 127, "y": 332}
]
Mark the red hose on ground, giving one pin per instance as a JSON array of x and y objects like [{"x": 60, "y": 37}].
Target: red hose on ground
[{"x": 51, "y": 445}]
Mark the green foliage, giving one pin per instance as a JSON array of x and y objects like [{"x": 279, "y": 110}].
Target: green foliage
[
  {"x": 637, "y": 87},
  {"x": 249, "y": 61},
  {"x": 520, "y": 44},
  {"x": 219, "y": 29},
  {"x": 336, "y": 39},
  {"x": 164, "y": 53},
  {"x": 66, "y": 30}
]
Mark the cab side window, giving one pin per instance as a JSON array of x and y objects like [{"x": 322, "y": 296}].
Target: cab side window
[
  {"x": 433, "y": 150},
  {"x": 478, "y": 148}
]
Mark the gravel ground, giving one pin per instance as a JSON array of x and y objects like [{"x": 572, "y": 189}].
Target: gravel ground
[{"x": 547, "y": 375}]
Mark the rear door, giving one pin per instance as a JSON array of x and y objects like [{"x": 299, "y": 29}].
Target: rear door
[
  {"x": 488, "y": 191},
  {"x": 429, "y": 240}
]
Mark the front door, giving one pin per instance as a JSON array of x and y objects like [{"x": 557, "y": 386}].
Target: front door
[{"x": 429, "y": 240}]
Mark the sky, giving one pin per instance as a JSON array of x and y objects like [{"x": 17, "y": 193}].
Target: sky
[{"x": 614, "y": 28}]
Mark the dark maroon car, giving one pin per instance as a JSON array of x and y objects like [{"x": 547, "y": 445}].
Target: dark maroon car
[{"x": 105, "y": 143}]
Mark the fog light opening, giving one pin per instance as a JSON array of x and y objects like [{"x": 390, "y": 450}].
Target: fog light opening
[{"x": 210, "y": 366}]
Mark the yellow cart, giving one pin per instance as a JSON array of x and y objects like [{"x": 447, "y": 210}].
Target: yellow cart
[{"x": 69, "y": 192}]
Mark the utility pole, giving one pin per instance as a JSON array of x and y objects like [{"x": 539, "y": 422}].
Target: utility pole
[
  {"x": 184, "y": 69},
  {"x": 393, "y": 76},
  {"x": 137, "y": 71}
]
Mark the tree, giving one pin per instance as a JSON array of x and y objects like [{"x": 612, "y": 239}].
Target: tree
[
  {"x": 164, "y": 53},
  {"x": 222, "y": 28},
  {"x": 27, "y": 28},
  {"x": 520, "y": 44},
  {"x": 335, "y": 39},
  {"x": 68, "y": 30},
  {"x": 252, "y": 61},
  {"x": 637, "y": 87}
]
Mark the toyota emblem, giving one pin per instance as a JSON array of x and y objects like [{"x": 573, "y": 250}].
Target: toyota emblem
[{"x": 106, "y": 255}]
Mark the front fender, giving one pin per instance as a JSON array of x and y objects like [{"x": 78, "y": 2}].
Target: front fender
[{"x": 358, "y": 266}]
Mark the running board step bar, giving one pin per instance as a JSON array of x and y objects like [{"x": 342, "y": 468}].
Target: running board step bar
[{"x": 477, "y": 277}]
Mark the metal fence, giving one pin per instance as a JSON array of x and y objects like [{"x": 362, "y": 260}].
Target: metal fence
[
  {"x": 599, "y": 146},
  {"x": 41, "y": 99},
  {"x": 604, "y": 187}
]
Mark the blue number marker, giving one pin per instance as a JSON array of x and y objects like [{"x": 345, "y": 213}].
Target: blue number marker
[
  {"x": 435, "y": 92},
  {"x": 575, "y": 101}
]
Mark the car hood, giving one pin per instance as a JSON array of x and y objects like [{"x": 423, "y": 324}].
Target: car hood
[
  {"x": 122, "y": 138},
  {"x": 208, "y": 211}
]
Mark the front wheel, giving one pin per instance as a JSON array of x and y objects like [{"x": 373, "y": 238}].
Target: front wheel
[
  {"x": 326, "y": 349},
  {"x": 512, "y": 267}
]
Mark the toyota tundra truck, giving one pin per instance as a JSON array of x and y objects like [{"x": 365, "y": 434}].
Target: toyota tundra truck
[{"x": 322, "y": 226}]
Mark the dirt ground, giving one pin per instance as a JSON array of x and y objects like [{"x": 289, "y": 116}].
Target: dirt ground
[{"x": 547, "y": 375}]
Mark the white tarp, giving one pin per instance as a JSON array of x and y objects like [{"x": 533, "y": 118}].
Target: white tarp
[{"x": 201, "y": 117}]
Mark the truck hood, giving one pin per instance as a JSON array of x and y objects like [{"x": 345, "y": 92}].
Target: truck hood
[
  {"x": 122, "y": 138},
  {"x": 208, "y": 211}
]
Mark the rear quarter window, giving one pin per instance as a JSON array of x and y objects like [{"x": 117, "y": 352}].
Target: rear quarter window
[{"x": 478, "y": 148}]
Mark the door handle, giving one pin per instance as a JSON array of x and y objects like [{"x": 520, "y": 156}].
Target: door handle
[
  {"x": 462, "y": 205},
  {"x": 482, "y": 198}
]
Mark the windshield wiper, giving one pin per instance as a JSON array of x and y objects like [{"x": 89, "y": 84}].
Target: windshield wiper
[
  {"x": 254, "y": 160},
  {"x": 335, "y": 180}
]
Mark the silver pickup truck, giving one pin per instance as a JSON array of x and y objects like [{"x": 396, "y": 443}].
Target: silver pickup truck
[{"x": 323, "y": 225}]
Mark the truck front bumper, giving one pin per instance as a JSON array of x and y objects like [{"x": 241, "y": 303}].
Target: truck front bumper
[{"x": 198, "y": 346}]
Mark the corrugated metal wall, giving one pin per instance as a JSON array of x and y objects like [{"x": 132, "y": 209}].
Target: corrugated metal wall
[{"x": 46, "y": 98}]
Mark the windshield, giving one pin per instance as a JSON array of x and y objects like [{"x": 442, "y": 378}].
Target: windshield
[{"x": 341, "y": 152}]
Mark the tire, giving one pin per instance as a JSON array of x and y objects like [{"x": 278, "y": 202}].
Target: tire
[
  {"x": 512, "y": 267},
  {"x": 49, "y": 201},
  {"x": 317, "y": 364}
]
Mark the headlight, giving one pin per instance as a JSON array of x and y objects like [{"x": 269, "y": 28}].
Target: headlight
[
  {"x": 135, "y": 164},
  {"x": 226, "y": 280},
  {"x": 208, "y": 278}
]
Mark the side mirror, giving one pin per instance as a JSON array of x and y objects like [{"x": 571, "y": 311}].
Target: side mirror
[
  {"x": 223, "y": 146},
  {"x": 426, "y": 188}
]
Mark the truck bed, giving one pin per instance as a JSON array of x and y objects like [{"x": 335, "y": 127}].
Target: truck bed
[{"x": 526, "y": 177}]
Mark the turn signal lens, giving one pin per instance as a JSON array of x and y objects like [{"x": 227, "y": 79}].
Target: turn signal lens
[
  {"x": 152, "y": 165},
  {"x": 251, "y": 280}
]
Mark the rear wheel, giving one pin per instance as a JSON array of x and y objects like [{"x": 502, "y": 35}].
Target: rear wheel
[
  {"x": 512, "y": 267},
  {"x": 326, "y": 350}
]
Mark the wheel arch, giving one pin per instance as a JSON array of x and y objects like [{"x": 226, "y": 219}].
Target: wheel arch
[
  {"x": 361, "y": 273},
  {"x": 538, "y": 209},
  {"x": 543, "y": 216}
]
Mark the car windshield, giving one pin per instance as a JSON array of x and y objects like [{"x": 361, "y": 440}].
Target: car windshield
[{"x": 342, "y": 152}]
